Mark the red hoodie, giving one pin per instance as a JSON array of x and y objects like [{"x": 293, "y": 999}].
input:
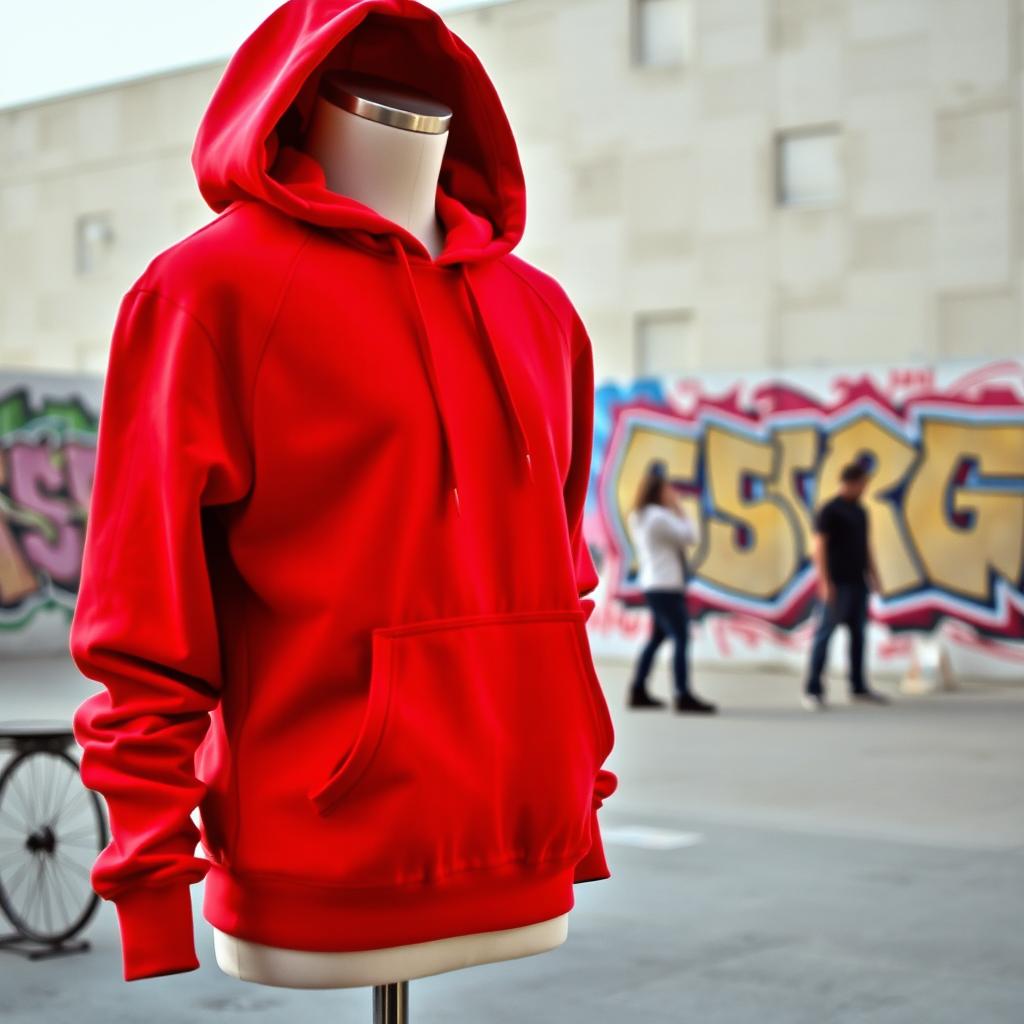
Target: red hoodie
[{"x": 334, "y": 566}]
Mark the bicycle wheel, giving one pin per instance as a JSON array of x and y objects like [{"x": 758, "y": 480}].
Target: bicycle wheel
[{"x": 51, "y": 830}]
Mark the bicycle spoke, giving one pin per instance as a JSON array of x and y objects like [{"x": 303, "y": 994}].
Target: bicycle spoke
[
  {"x": 38, "y": 887},
  {"x": 81, "y": 794},
  {"x": 84, "y": 872},
  {"x": 48, "y": 892},
  {"x": 43, "y": 786},
  {"x": 82, "y": 832},
  {"x": 59, "y": 807},
  {"x": 86, "y": 841},
  {"x": 27, "y": 860},
  {"x": 14, "y": 787},
  {"x": 58, "y": 871},
  {"x": 45, "y": 895},
  {"x": 21, "y": 826},
  {"x": 37, "y": 785}
]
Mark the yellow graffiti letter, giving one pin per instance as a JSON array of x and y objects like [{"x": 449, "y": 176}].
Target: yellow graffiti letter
[
  {"x": 765, "y": 565},
  {"x": 958, "y": 558}
]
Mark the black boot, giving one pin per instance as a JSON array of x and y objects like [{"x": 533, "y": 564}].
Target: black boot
[
  {"x": 864, "y": 696},
  {"x": 642, "y": 699},
  {"x": 688, "y": 704}
]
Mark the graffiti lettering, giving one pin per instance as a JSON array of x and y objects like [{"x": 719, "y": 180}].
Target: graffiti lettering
[
  {"x": 752, "y": 541},
  {"x": 45, "y": 478},
  {"x": 965, "y": 523},
  {"x": 945, "y": 496}
]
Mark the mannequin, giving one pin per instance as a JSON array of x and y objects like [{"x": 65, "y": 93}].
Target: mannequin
[{"x": 383, "y": 147}]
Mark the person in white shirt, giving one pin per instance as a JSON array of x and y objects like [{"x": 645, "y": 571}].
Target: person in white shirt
[{"x": 661, "y": 530}]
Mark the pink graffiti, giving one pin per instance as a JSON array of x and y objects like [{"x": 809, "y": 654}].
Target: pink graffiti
[{"x": 38, "y": 490}]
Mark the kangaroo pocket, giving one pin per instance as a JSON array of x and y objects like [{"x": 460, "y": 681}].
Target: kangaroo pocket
[{"x": 479, "y": 745}]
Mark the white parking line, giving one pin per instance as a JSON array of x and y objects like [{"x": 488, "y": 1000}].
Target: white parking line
[{"x": 649, "y": 838}]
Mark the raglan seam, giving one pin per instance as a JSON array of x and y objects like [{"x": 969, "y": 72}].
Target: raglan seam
[
  {"x": 218, "y": 356},
  {"x": 272, "y": 323},
  {"x": 547, "y": 302},
  {"x": 247, "y": 423}
]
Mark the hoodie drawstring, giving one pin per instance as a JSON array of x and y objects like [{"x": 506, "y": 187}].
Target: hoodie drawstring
[
  {"x": 492, "y": 353},
  {"x": 426, "y": 349}
]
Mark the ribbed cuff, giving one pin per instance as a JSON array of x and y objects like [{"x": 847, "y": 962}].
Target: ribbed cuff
[
  {"x": 587, "y": 604},
  {"x": 593, "y": 866},
  {"x": 156, "y": 931}
]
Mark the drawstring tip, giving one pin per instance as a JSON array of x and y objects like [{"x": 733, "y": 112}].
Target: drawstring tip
[
  {"x": 458, "y": 503},
  {"x": 529, "y": 465}
]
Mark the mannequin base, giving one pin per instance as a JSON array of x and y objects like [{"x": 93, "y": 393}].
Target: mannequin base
[{"x": 298, "y": 968}]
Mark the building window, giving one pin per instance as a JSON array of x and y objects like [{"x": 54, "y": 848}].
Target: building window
[
  {"x": 94, "y": 237},
  {"x": 665, "y": 343},
  {"x": 662, "y": 32},
  {"x": 809, "y": 167}
]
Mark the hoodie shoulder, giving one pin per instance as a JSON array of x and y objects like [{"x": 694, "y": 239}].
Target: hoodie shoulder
[
  {"x": 229, "y": 272},
  {"x": 551, "y": 293}
]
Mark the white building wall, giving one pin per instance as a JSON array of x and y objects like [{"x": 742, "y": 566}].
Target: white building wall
[{"x": 650, "y": 190}]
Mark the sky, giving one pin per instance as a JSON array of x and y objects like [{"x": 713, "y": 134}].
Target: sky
[{"x": 48, "y": 49}]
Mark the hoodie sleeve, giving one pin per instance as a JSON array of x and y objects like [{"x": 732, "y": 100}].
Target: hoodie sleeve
[
  {"x": 577, "y": 481},
  {"x": 169, "y": 444},
  {"x": 594, "y": 865}
]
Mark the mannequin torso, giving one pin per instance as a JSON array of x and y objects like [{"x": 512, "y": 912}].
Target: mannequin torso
[{"x": 383, "y": 148}]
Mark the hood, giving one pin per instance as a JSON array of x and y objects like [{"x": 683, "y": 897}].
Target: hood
[
  {"x": 248, "y": 146},
  {"x": 249, "y": 139}
]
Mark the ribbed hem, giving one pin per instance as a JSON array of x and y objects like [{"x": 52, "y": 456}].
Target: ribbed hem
[
  {"x": 156, "y": 931},
  {"x": 294, "y": 914}
]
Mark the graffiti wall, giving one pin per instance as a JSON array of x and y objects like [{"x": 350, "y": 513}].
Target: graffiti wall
[
  {"x": 752, "y": 457},
  {"x": 47, "y": 452}
]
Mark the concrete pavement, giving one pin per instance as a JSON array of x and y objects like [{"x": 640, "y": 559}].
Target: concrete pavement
[{"x": 769, "y": 867}]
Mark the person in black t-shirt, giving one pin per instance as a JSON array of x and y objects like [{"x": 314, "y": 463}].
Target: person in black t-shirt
[{"x": 846, "y": 574}]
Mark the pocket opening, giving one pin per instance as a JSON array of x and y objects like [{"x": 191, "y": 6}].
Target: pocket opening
[
  {"x": 355, "y": 763},
  {"x": 474, "y": 749}
]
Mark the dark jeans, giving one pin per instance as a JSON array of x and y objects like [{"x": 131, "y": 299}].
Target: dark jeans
[
  {"x": 668, "y": 618},
  {"x": 849, "y": 608}
]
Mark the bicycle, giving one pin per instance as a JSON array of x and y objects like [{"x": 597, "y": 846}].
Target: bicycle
[{"x": 51, "y": 830}]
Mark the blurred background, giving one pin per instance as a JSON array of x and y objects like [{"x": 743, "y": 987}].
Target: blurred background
[{"x": 793, "y": 229}]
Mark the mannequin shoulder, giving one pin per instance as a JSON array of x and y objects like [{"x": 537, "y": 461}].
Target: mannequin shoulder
[
  {"x": 547, "y": 287},
  {"x": 245, "y": 244},
  {"x": 543, "y": 289},
  {"x": 228, "y": 272}
]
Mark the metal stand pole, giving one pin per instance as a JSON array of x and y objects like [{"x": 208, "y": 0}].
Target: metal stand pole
[{"x": 391, "y": 1003}]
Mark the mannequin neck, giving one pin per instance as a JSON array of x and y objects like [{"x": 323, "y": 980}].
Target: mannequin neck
[{"x": 392, "y": 170}]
